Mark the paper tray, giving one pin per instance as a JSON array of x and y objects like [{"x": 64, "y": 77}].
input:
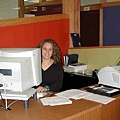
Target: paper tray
[{"x": 103, "y": 90}]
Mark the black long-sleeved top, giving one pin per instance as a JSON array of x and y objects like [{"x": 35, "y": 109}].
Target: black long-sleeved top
[{"x": 53, "y": 77}]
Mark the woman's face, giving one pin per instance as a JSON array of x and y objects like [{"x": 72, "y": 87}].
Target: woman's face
[{"x": 47, "y": 51}]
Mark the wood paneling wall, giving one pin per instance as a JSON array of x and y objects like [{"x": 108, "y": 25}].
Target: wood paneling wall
[{"x": 72, "y": 8}]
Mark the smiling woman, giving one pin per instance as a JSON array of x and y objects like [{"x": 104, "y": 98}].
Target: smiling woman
[{"x": 52, "y": 70}]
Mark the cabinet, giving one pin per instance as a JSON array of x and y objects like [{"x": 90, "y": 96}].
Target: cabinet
[{"x": 75, "y": 81}]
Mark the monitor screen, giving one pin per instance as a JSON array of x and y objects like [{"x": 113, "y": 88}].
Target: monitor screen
[{"x": 20, "y": 68}]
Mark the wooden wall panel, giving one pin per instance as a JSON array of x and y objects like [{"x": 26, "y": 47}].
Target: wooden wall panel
[{"x": 72, "y": 8}]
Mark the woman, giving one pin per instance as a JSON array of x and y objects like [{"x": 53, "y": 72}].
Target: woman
[{"x": 52, "y": 70}]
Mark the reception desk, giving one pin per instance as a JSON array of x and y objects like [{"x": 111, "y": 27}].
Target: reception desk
[
  {"x": 111, "y": 111},
  {"x": 78, "y": 110}
]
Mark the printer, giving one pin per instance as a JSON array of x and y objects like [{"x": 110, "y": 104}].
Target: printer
[
  {"x": 109, "y": 81},
  {"x": 110, "y": 76}
]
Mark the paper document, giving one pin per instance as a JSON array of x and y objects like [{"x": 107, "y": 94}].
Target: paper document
[
  {"x": 99, "y": 98},
  {"x": 74, "y": 94},
  {"x": 41, "y": 94},
  {"x": 52, "y": 101},
  {"x": 82, "y": 95},
  {"x": 78, "y": 66}
]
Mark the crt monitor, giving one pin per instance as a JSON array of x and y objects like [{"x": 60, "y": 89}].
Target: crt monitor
[{"x": 20, "y": 68}]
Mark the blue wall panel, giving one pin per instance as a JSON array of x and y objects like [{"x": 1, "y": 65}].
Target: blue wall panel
[{"x": 111, "y": 26}]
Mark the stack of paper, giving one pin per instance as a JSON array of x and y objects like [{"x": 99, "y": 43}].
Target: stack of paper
[
  {"x": 79, "y": 94},
  {"x": 64, "y": 97},
  {"x": 52, "y": 101},
  {"x": 74, "y": 94},
  {"x": 78, "y": 66},
  {"x": 68, "y": 69},
  {"x": 41, "y": 94},
  {"x": 99, "y": 98}
]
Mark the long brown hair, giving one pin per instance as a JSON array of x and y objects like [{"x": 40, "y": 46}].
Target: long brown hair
[{"x": 56, "y": 56}]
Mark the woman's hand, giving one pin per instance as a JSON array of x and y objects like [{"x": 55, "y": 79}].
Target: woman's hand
[{"x": 41, "y": 89}]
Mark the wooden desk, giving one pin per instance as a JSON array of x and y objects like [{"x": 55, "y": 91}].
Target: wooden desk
[
  {"x": 78, "y": 110},
  {"x": 111, "y": 111}
]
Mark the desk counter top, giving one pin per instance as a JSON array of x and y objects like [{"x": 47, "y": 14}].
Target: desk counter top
[{"x": 78, "y": 110}]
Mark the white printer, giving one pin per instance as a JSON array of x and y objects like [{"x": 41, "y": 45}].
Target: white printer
[
  {"x": 109, "y": 81},
  {"x": 110, "y": 76}
]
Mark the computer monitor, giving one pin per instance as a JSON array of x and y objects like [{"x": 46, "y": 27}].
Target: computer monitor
[
  {"x": 70, "y": 59},
  {"x": 20, "y": 68}
]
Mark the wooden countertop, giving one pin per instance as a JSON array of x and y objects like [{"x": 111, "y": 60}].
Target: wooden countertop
[
  {"x": 79, "y": 110},
  {"x": 37, "y": 111}
]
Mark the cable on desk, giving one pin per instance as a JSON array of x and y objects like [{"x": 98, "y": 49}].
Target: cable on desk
[
  {"x": 12, "y": 103},
  {"x": 3, "y": 106}
]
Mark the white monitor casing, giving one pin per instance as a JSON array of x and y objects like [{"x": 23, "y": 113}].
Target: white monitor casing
[{"x": 27, "y": 62}]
